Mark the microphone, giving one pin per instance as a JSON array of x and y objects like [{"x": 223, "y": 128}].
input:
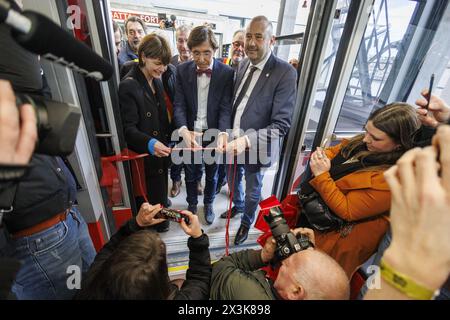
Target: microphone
[{"x": 38, "y": 34}]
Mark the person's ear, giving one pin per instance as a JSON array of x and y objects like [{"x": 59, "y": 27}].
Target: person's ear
[
  {"x": 296, "y": 293},
  {"x": 272, "y": 40}
]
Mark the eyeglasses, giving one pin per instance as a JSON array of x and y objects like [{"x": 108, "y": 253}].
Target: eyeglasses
[
  {"x": 237, "y": 44},
  {"x": 206, "y": 54}
]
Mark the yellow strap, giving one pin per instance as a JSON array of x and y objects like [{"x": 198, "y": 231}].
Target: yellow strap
[{"x": 404, "y": 283}]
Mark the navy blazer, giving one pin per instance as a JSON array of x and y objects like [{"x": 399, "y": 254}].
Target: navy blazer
[
  {"x": 219, "y": 96},
  {"x": 271, "y": 103}
]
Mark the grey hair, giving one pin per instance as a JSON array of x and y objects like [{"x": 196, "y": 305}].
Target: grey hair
[
  {"x": 269, "y": 25},
  {"x": 182, "y": 29},
  {"x": 238, "y": 31}
]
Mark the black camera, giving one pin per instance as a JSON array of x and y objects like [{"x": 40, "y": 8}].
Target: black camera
[
  {"x": 166, "y": 23},
  {"x": 171, "y": 214},
  {"x": 57, "y": 124},
  {"x": 287, "y": 242}
]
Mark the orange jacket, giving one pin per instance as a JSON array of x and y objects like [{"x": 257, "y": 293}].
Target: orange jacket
[{"x": 358, "y": 195}]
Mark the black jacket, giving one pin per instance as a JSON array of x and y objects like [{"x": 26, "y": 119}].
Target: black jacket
[
  {"x": 198, "y": 276},
  {"x": 45, "y": 190},
  {"x": 168, "y": 78},
  {"x": 144, "y": 116},
  {"x": 170, "y": 81},
  {"x": 219, "y": 102}
]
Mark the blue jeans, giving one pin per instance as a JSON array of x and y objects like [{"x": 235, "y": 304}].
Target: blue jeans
[
  {"x": 253, "y": 185},
  {"x": 46, "y": 256},
  {"x": 175, "y": 172},
  {"x": 222, "y": 174},
  {"x": 193, "y": 172}
]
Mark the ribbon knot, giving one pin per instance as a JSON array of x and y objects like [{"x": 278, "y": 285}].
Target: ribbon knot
[{"x": 208, "y": 72}]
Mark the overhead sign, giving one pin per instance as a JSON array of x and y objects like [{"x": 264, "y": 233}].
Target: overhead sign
[{"x": 122, "y": 16}]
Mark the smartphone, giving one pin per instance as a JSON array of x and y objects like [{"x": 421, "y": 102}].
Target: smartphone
[
  {"x": 430, "y": 90},
  {"x": 171, "y": 214}
]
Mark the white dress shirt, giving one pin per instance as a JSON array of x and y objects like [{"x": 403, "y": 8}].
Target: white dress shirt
[
  {"x": 203, "y": 82},
  {"x": 241, "y": 107}
]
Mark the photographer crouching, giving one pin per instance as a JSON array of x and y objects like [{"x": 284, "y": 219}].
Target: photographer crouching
[
  {"x": 133, "y": 265},
  {"x": 305, "y": 273}
]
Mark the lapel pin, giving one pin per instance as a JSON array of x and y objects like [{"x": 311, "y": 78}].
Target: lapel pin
[{"x": 267, "y": 75}]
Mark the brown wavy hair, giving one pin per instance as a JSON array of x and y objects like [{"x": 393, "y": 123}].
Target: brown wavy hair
[{"x": 399, "y": 121}]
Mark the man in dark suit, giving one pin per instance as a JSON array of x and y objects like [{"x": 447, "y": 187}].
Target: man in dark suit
[
  {"x": 264, "y": 92},
  {"x": 203, "y": 102},
  {"x": 183, "y": 55}
]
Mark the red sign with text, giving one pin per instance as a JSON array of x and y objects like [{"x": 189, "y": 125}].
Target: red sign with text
[{"x": 120, "y": 15}]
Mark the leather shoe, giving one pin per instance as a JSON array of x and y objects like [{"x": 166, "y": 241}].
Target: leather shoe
[
  {"x": 199, "y": 188},
  {"x": 192, "y": 208},
  {"x": 176, "y": 185},
  {"x": 209, "y": 213},
  {"x": 241, "y": 235},
  {"x": 234, "y": 212}
]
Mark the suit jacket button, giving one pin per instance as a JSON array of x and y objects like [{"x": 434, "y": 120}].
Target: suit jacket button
[
  {"x": 160, "y": 171},
  {"x": 155, "y": 133},
  {"x": 149, "y": 114}
]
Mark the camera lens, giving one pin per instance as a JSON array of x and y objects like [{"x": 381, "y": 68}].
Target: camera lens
[
  {"x": 39, "y": 109},
  {"x": 57, "y": 124}
]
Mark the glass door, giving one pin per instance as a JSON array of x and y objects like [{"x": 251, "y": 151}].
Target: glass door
[{"x": 385, "y": 52}]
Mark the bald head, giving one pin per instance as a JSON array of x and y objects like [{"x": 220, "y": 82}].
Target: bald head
[
  {"x": 315, "y": 275},
  {"x": 267, "y": 25}
]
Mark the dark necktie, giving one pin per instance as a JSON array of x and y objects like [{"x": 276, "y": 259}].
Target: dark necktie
[
  {"x": 244, "y": 89},
  {"x": 208, "y": 72}
]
